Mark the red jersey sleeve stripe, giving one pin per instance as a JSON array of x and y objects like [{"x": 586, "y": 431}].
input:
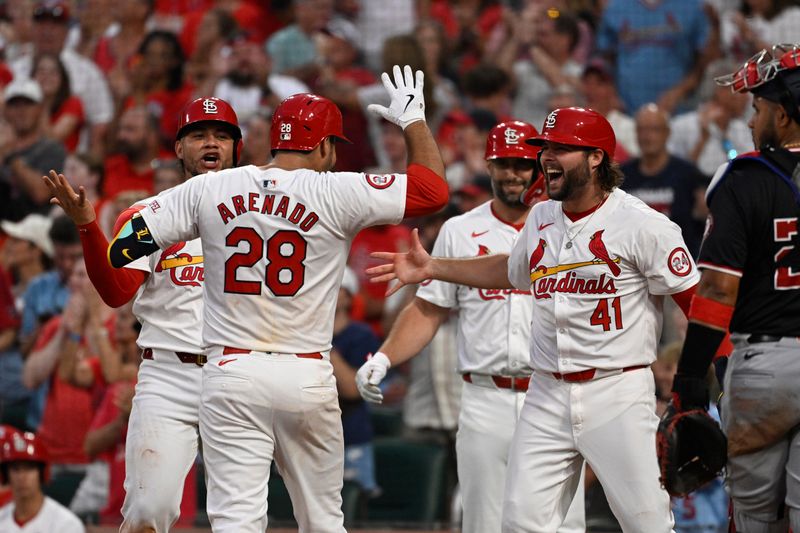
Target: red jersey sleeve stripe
[{"x": 427, "y": 192}]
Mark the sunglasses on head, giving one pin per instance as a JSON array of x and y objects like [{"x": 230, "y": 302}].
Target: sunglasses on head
[{"x": 762, "y": 68}]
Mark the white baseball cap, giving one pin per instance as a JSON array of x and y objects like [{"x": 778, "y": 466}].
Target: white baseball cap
[
  {"x": 33, "y": 228},
  {"x": 23, "y": 88},
  {"x": 350, "y": 281}
]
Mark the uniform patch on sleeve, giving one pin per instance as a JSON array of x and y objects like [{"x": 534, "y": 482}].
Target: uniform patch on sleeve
[
  {"x": 380, "y": 181},
  {"x": 154, "y": 206},
  {"x": 679, "y": 262}
]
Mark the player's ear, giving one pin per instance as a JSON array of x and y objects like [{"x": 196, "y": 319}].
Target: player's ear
[
  {"x": 595, "y": 157},
  {"x": 179, "y": 149}
]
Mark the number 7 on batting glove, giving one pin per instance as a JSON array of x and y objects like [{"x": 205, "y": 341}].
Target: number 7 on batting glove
[
  {"x": 369, "y": 376},
  {"x": 407, "y": 103}
]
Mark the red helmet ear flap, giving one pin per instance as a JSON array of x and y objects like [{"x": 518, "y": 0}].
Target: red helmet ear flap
[
  {"x": 238, "y": 147},
  {"x": 537, "y": 192}
]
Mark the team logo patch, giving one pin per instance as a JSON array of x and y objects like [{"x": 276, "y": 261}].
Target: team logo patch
[
  {"x": 550, "y": 121},
  {"x": 512, "y": 136},
  {"x": 380, "y": 181},
  {"x": 209, "y": 107},
  {"x": 679, "y": 262},
  {"x": 154, "y": 206}
]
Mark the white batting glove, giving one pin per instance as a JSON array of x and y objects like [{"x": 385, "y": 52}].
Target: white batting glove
[
  {"x": 370, "y": 375},
  {"x": 408, "y": 104}
]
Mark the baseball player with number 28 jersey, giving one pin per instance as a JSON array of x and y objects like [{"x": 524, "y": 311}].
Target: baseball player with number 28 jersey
[{"x": 275, "y": 241}]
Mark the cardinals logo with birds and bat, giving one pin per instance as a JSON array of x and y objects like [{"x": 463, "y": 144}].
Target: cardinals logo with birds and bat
[{"x": 545, "y": 283}]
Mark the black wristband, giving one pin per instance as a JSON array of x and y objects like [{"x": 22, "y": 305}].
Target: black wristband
[{"x": 699, "y": 348}]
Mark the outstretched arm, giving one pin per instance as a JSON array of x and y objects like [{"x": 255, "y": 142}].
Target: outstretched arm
[
  {"x": 415, "y": 266},
  {"x": 412, "y": 331}
]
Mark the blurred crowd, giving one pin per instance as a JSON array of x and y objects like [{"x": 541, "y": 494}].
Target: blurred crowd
[{"x": 94, "y": 89}]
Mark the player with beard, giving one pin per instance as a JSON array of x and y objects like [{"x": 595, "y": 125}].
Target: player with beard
[
  {"x": 493, "y": 331},
  {"x": 162, "y": 438},
  {"x": 249, "y": 85},
  {"x": 599, "y": 263}
]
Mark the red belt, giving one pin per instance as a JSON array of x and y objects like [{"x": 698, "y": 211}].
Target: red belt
[
  {"x": 184, "y": 357},
  {"x": 227, "y": 350},
  {"x": 587, "y": 375},
  {"x": 504, "y": 382}
]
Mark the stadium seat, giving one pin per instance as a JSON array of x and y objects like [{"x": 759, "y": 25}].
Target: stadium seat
[
  {"x": 412, "y": 478},
  {"x": 386, "y": 421}
]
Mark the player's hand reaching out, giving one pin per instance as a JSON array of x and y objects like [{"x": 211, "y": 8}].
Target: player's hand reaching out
[
  {"x": 414, "y": 266},
  {"x": 370, "y": 375},
  {"x": 407, "y": 103},
  {"x": 74, "y": 204}
]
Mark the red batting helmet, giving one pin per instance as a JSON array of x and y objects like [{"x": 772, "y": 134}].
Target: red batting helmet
[
  {"x": 212, "y": 109},
  {"x": 19, "y": 446},
  {"x": 577, "y": 126},
  {"x": 507, "y": 139},
  {"x": 303, "y": 120}
]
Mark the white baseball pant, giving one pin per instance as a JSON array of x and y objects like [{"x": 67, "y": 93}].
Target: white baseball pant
[
  {"x": 485, "y": 430},
  {"x": 162, "y": 442},
  {"x": 609, "y": 422},
  {"x": 259, "y": 407}
]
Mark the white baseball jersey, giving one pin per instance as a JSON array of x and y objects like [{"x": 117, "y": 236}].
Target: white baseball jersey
[
  {"x": 52, "y": 517},
  {"x": 493, "y": 324},
  {"x": 587, "y": 277},
  {"x": 275, "y": 243},
  {"x": 169, "y": 304}
]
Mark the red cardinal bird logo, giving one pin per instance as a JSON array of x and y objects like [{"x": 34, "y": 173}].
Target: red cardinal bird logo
[
  {"x": 599, "y": 250},
  {"x": 537, "y": 254},
  {"x": 483, "y": 250}
]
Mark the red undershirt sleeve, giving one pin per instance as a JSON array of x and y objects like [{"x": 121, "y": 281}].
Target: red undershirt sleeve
[
  {"x": 115, "y": 286},
  {"x": 684, "y": 301},
  {"x": 427, "y": 191}
]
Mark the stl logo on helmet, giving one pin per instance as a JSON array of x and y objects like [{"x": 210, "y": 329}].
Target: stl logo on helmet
[
  {"x": 286, "y": 131},
  {"x": 512, "y": 136},
  {"x": 210, "y": 107},
  {"x": 550, "y": 121}
]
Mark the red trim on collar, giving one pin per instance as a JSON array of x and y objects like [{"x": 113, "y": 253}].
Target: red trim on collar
[
  {"x": 517, "y": 227},
  {"x": 577, "y": 216}
]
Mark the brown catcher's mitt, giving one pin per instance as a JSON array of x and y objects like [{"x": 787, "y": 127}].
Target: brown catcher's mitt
[{"x": 692, "y": 450}]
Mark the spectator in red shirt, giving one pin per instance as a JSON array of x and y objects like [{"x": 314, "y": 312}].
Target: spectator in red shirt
[
  {"x": 63, "y": 118},
  {"x": 68, "y": 355},
  {"x": 138, "y": 145},
  {"x": 115, "y": 51}
]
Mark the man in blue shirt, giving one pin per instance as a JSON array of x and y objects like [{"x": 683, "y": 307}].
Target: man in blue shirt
[{"x": 657, "y": 47}]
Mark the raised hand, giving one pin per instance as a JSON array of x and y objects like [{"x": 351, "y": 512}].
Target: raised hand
[
  {"x": 407, "y": 103},
  {"x": 75, "y": 205},
  {"x": 414, "y": 266}
]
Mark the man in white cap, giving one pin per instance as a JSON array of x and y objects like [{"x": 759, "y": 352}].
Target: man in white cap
[{"x": 27, "y": 154}]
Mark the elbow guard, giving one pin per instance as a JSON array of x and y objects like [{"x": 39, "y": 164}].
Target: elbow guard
[{"x": 132, "y": 242}]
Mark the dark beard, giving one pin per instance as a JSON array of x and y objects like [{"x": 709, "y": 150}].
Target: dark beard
[
  {"x": 574, "y": 180},
  {"x": 241, "y": 79},
  {"x": 511, "y": 200}
]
